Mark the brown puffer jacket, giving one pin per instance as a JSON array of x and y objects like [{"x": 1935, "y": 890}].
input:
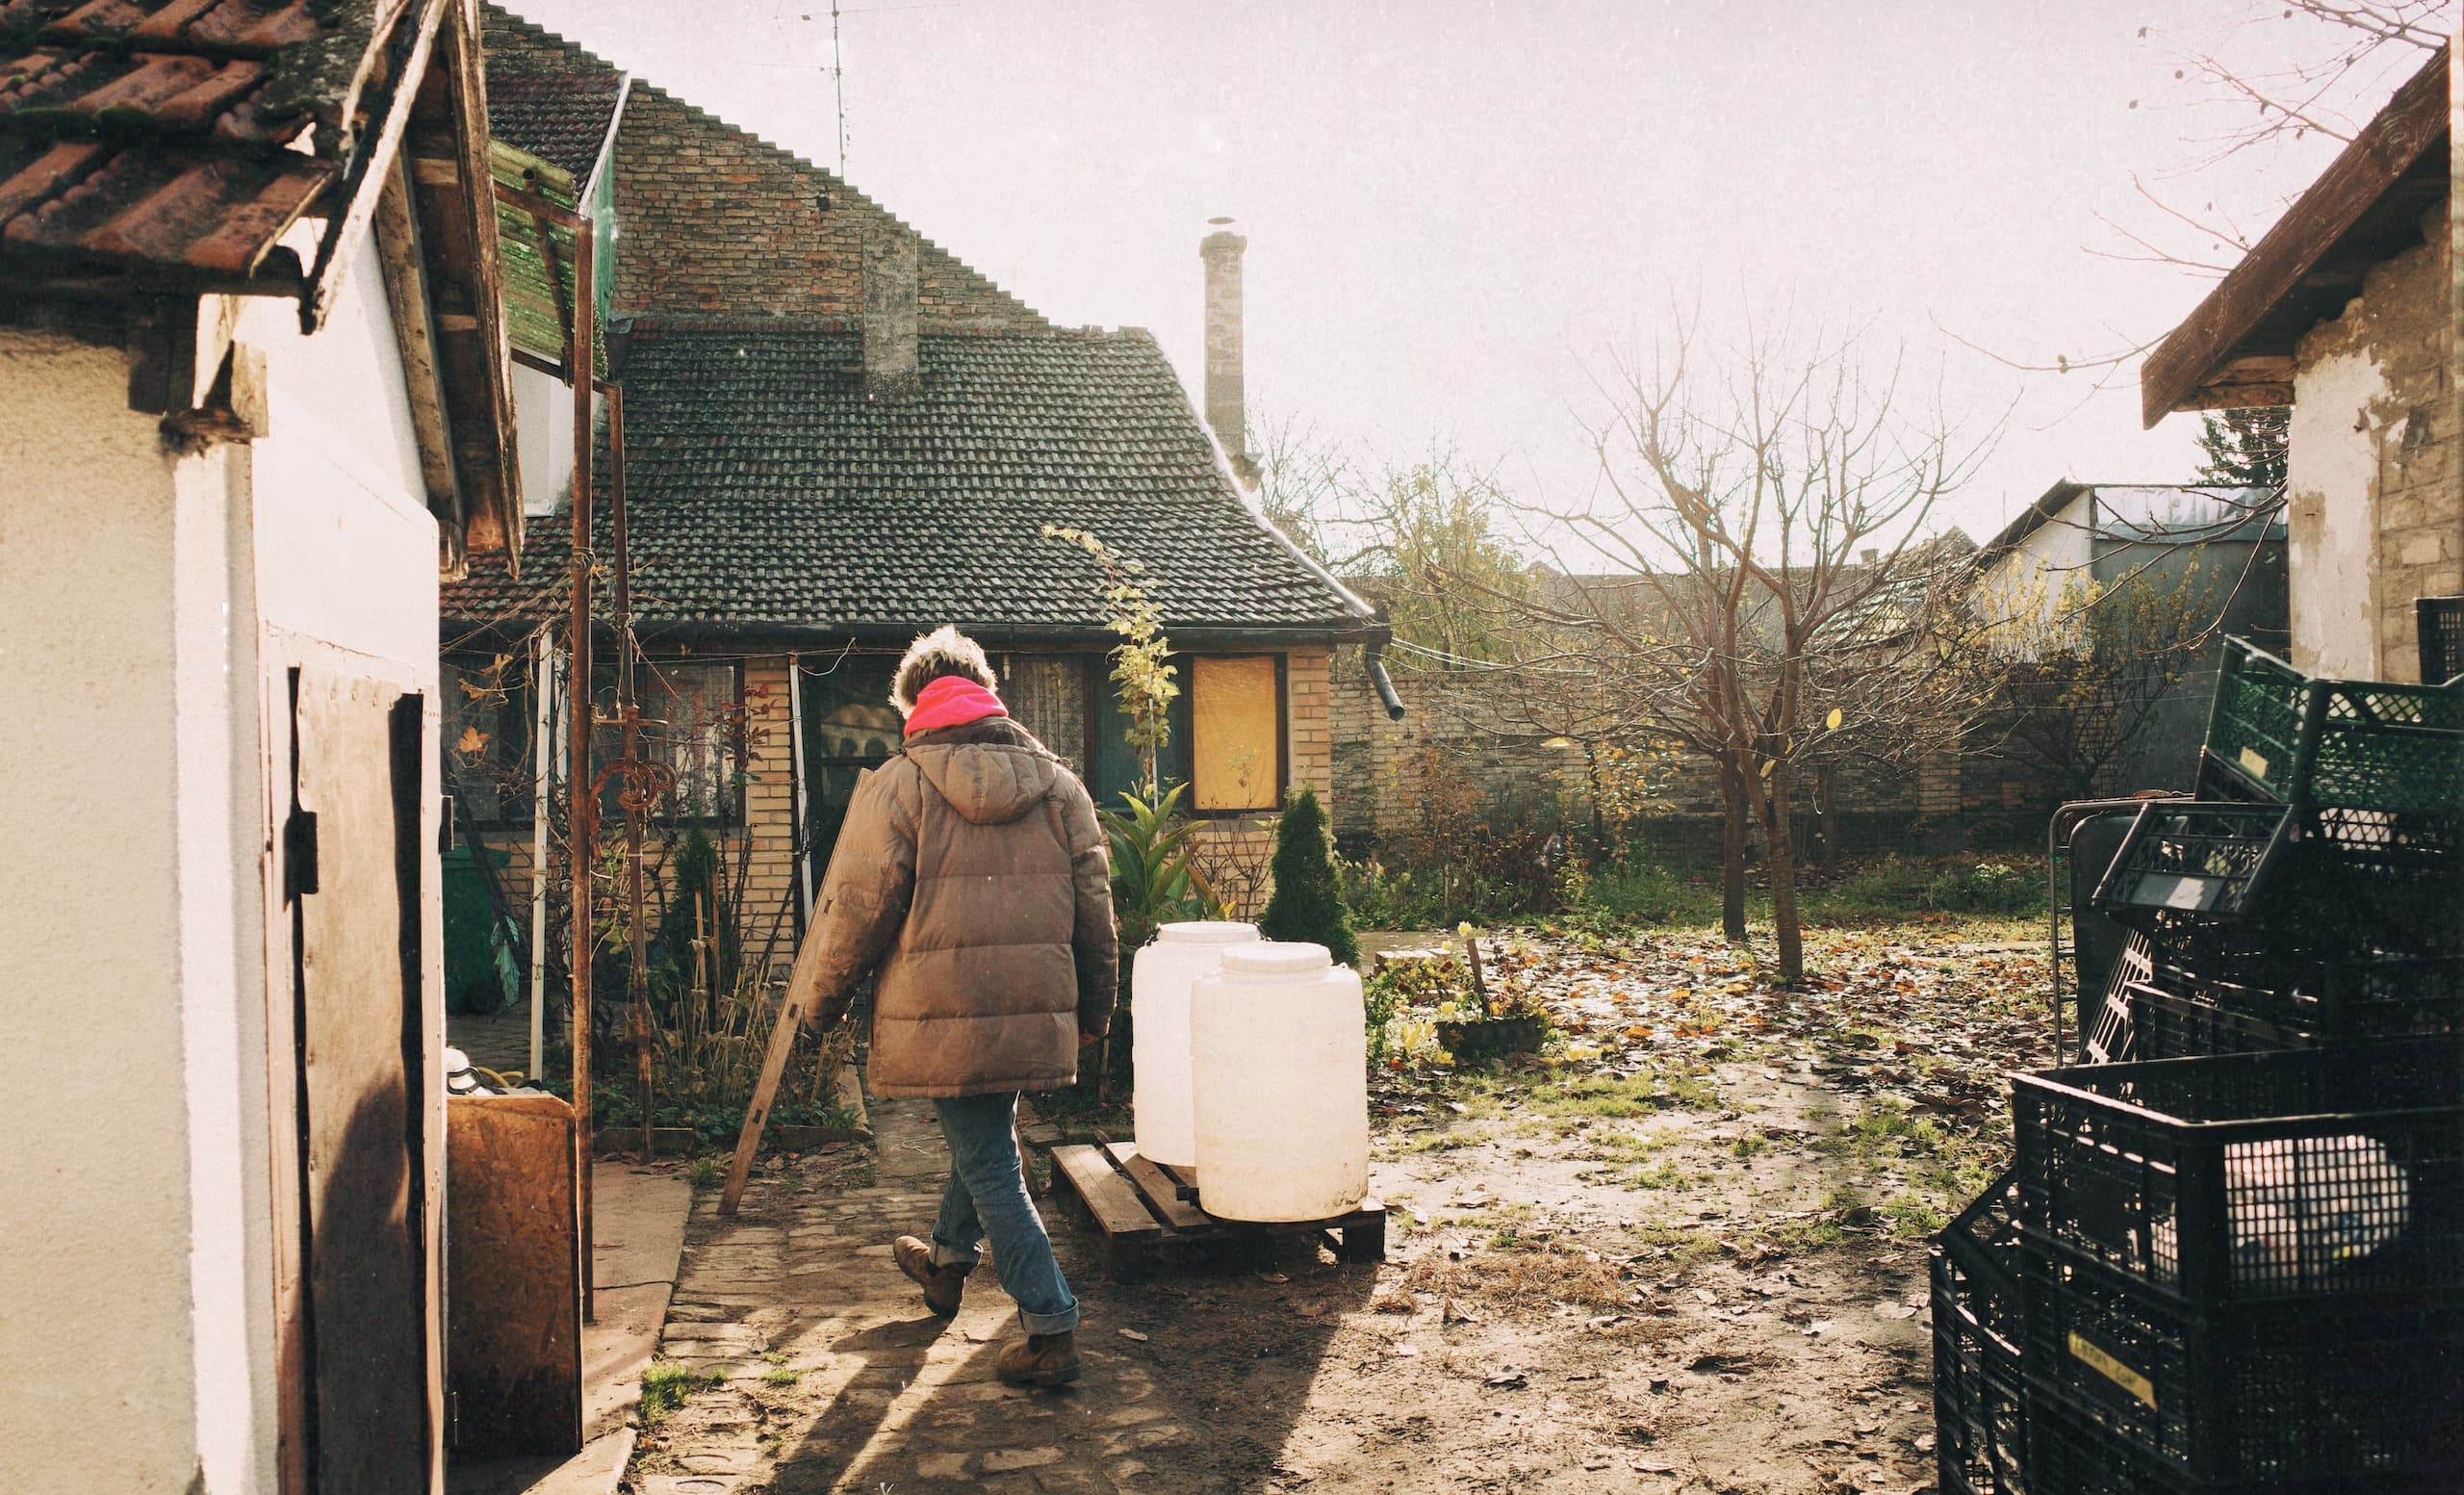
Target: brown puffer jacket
[{"x": 972, "y": 870}]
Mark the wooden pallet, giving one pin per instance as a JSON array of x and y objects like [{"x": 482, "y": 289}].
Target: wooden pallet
[{"x": 1148, "y": 1214}]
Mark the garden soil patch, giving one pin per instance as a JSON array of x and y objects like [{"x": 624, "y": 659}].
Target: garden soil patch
[{"x": 1686, "y": 1254}]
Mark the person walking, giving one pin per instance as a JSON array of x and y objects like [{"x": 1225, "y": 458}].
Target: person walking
[{"x": 971, "y": 872}]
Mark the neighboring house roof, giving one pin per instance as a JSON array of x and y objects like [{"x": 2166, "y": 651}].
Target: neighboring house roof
[
  {"x": 2367, "y": 207},
  {"x": 561, "y": 116},
  {"x": 163, "y": 141},
  {"x": 770, "y": 495},
  {"x": 165, "y": 149},
  {"x": 2063, "y": 495}
]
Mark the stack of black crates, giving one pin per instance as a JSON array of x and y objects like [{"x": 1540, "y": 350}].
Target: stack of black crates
[{"x": 2231, "y": 1256}]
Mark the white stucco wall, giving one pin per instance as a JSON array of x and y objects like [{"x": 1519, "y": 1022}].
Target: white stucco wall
[
  {"x": 150, "y": 603},
  {"x": 129, "y": 924},
  {"x": 2023, "y": 589},
  {"x": 346, "y": 567},
  {"x": 2376, "y": 508},
  {"x": 2331, "y": 463},
  {"x": 543, "y": 412}
]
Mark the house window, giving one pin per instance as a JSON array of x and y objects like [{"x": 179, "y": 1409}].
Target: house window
[
  {"x": 693, "y": 722},
  {"x": 487, "y": 725},
  {"x": 1236, "y": 733},
  {"x": 1047, "y": 696},
  {"x": 1226, "y": 743}
]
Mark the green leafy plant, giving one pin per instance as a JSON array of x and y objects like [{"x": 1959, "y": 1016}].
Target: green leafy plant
[
  {"x": 1308, "y": 901},
  {"x": 1152, "y": 881},
  {"x": 1141, "y": 665}
]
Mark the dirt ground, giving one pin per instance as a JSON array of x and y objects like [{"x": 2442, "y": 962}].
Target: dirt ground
[{"x": 1688, "y": 1255}]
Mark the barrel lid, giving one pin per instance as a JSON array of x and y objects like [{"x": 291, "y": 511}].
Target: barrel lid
[
  {"x": 1277, "y": 958},
  {"x": 1207, "y": 932}
]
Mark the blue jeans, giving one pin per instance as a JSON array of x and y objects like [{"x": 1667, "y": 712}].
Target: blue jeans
[{"x": 988, "y": 1196}]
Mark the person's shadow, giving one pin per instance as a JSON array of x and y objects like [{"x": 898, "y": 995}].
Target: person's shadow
[{"x": 1204, "y": 1397}]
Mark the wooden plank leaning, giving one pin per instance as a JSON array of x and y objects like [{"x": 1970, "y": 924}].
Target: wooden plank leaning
[{"x": 774, "y": 1063}]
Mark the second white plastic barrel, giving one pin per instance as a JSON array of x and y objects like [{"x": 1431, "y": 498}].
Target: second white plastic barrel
[
  {"x": 1159, "y": 1024},
  {"x": 1279, "y": 1061}
]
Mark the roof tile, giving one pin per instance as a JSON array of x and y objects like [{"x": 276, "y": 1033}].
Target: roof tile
[
  {"x": 156, "y": 133},
  {"x": 766, "y": 487}
]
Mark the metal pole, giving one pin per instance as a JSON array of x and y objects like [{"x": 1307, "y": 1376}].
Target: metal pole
[
  {"x": 628, "y": 715},
  {"x": 796, "y": 777},
  {"x": 543, "y": 742},
  {"x": 584, "y": 810}
]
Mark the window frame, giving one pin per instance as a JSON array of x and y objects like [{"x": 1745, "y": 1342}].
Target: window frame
[
  {"x": 521, "y": 706},
  {"x": 671, "y": 812},
  {"x": 1282, "y": 734}
]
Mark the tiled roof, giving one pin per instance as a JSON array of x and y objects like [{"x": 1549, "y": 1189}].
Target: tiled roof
[
  {"x": 558, "y": 114},
  {"x": 765, "y": 488},
  {"x": 158, "y": 135},
  {"x": 559, "y": 117}
]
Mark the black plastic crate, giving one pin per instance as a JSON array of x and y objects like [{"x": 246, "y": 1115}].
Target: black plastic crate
[
  {"x": 2071, "y": 1453},
  {"x": 2166, "y": 1026},
  {"x": 2108, "y": 1038},
  {"x": 1979, "y": 1323},
  {"x": 2324, "y": 994},
  {"x": 2387, "y": 879},
  {"x": 2439, "y": 636},
  {"x": 2254, "y": 1176},
  {"x": 2349, "y": 879},
  {"x": 2251, "y": 1394},
  {"x": 2360, "y": 744},
  {"x": 2208, "y": 857}
]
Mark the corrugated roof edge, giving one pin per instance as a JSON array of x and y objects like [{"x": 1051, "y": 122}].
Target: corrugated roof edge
[{"x": 2054, "y": 500}]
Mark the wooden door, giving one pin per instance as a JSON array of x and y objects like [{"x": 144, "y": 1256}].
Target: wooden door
[{"x": 353, "y": 870}]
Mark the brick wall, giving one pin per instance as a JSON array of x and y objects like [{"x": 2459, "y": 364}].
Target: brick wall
[
  {"x": 769, "y": 820},
  {"x": 770, "y": 788},
  {"x": 1378, "y": 766},
  {"x": 2374, "y": 510},
  {"x": 718, "y": 224}
]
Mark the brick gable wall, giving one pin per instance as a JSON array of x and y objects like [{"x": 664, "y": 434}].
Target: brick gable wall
[{"x": 718, "y": 225}]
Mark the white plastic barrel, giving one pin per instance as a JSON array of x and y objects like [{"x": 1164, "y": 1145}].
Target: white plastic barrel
[
  {"x": 1279, "y": 1061},
  {"x": 1159, "y": 1045}
]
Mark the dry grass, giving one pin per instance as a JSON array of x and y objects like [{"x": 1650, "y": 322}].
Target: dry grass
[{"x": 1535, "y": 1275}]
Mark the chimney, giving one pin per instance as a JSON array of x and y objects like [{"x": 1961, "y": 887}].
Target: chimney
[
  {"x": 892, "y": 370},
  {"x": 1226, "y": 411}
]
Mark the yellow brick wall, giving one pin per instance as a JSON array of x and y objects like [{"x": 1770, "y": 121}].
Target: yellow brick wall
[
  {"x": 770, "y": 788},
  {"x": 1237, "y": 850}
]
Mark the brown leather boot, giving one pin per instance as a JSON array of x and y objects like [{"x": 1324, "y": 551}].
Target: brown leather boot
[
  {"x": 1039, "y": 1361},
  {"x": 942, "y": 1285}
]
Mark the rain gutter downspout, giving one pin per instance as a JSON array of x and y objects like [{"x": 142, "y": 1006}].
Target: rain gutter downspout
[{"x": 1374, "y": 657}]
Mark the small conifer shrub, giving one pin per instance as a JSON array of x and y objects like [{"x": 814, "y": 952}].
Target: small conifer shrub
[{"x": 1308, "y": 902}]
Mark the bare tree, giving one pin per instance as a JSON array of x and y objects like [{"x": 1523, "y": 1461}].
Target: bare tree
[
  {"x": 1751, "y": 579},
  {"x": 2089, "y": 677},
  {"x": 1304, "y": 483}
]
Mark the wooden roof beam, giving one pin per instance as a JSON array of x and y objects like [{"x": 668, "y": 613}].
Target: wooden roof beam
[{"x": 2180, "y": 374}]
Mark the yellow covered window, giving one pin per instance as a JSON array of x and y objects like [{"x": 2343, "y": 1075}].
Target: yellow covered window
[{"x": 1236, "y": 733}]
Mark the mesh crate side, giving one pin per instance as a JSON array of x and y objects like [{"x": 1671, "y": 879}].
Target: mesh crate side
[{"x": 2271, "y": 1392}]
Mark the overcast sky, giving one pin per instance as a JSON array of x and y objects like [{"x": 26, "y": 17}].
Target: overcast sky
[{"x": 1460, "y": 213}]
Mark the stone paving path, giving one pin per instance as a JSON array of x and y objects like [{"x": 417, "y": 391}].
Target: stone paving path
[{"x": 831, "y": 1377}]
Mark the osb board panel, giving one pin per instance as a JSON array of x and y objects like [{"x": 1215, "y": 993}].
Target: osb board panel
[
  {"x": 513, "y": 1342},
  {"x": 359, "y": 1005}
]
